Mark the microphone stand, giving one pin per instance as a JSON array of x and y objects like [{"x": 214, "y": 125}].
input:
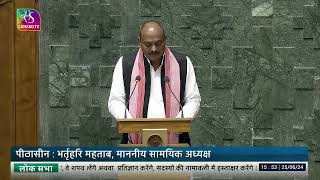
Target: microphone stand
[
  {"x": 167, "y": 81},
  {"x": 138, "y": 78}
]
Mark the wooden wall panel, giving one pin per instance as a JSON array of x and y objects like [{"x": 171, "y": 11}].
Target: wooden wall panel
[
  {"x": 7, "y": 138},
  {"x": 26, "y": 57},
  {"x": 19, "y": 84}
]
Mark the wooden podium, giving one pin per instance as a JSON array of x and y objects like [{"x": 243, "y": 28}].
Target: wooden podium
[
  {"x": 154, "y": 131},
  {"x": 156, "y": 128}
]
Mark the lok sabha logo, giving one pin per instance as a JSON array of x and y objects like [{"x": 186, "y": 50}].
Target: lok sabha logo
[{"x": 28, "y": 20}]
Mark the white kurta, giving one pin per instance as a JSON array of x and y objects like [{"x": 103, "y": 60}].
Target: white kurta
[{"x": 116, "y": 103}]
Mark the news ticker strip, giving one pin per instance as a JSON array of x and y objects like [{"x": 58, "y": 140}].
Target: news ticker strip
[
  {"x": 167, "y": 154},
  {"x": 54, "y": 167},
  {"x": 114, "y": 168}
]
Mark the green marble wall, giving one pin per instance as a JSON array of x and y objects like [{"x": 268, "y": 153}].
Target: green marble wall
[{"x": 256, "y": 61}]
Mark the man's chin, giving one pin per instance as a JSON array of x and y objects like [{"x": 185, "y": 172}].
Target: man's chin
[{"x": 154, "y": 57}]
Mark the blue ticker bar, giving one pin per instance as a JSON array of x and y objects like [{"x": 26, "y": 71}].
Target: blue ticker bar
[{"x": 196, "y": 154}]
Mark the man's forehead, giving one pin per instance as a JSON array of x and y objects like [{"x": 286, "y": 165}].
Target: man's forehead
[{"x": 151, "y": 27}]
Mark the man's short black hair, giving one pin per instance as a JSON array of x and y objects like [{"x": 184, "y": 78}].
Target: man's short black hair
[{"x": 154, "y": 21}]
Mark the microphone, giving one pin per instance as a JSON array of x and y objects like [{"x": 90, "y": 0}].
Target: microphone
[
  {"x": 167, "y": 81},
  {"x": 138, "y": 78}
]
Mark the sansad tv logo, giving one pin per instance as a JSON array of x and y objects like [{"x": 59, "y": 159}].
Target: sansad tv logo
[{"x": 28, "y": 20}]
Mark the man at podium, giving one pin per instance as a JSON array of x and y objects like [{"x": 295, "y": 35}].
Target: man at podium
[{"x": 154, "y": 83}]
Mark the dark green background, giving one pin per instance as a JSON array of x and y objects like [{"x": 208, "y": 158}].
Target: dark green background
[{"x": 256, "y": 61}]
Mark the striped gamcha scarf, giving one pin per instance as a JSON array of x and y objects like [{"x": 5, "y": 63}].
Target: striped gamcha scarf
[{"x": 172, "y": 70}]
